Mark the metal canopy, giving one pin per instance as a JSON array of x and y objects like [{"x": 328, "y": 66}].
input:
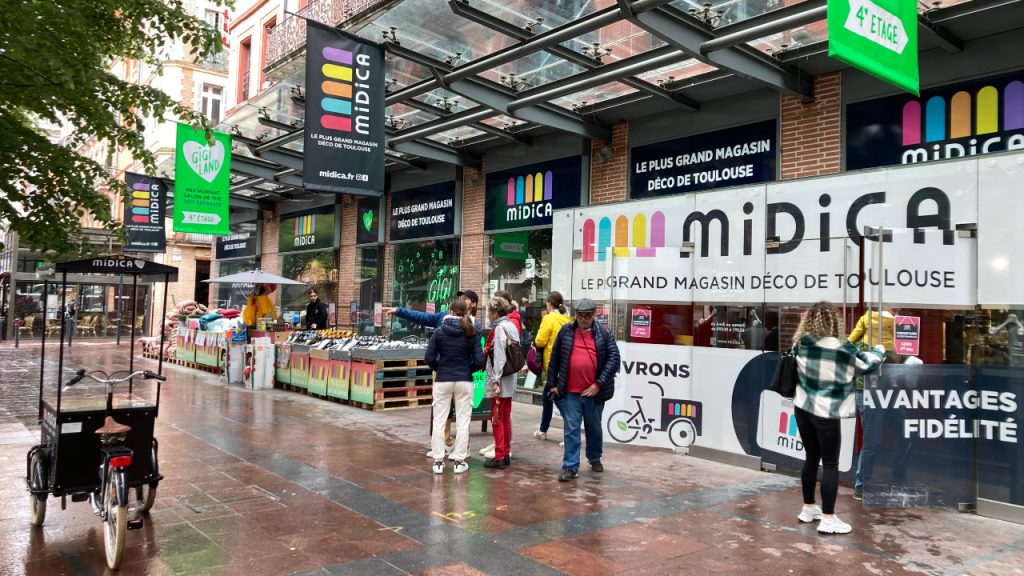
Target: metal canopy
[{"x": 464, "y": 76}]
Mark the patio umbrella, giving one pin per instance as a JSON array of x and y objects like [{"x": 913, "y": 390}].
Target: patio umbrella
[{"x": 256, "y": 276}]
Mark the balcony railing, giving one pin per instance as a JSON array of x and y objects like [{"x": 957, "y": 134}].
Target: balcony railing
[
  {"x": 291, "y": 33},
  {"x": 245, "y": 86}
]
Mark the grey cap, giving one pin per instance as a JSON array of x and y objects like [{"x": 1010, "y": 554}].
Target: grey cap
[{"x": 584, "y": 305}]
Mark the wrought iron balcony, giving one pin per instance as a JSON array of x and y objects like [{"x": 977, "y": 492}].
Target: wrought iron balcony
[{"x": 290, "y": 34}]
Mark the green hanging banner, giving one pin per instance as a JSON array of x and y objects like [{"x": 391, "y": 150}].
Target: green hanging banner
[
  {"x": 202, "y": 178},
  {"x": 878, "y": 37}
]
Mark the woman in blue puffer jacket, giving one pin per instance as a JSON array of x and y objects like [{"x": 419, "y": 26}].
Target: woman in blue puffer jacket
[{"x": 454, "y": 353}]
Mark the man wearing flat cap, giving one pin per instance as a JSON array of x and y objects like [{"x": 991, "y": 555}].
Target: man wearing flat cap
[{"x": 581, "y": 378}]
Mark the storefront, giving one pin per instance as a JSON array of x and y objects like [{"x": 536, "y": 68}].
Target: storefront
[
  {"x": 307, "y": 244},
  {"x": 425, "y": 251},
  {"x": 520, "y": 203},
  {"x": 237, "y": 252},
  {"x": 369, "y": 268},
  {"x": 701, "y": 288}
]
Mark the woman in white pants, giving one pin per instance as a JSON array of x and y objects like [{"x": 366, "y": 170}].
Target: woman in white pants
[{"x": 454, "y": 353}]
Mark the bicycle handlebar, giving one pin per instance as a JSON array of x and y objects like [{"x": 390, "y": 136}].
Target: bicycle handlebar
[{"x": 146, "y": 375}]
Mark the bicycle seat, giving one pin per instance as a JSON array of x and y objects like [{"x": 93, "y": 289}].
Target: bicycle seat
[{"x": 111, "y": 426}]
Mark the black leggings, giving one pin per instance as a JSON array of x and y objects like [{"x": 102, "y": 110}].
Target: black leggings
[{"x": 822, "y": 438}]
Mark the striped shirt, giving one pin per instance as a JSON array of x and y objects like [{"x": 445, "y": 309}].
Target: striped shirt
[{"x": 828, "y": 367}]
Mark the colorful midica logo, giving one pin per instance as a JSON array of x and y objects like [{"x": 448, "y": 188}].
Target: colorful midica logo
[
  {"x": 965, "y": 115},
  {"x": 305, "y": 230},
  {"x": 645, "y": 236},
  {"x": 145, "y": 207},
  {"x": 529, "y": 196},
  {"x": 345, "y": 86}
]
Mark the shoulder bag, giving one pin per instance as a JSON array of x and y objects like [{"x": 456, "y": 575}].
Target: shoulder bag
[{"x": 787, "y": 376}]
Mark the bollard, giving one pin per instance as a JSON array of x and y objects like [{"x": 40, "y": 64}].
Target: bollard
[{"x": 17, "y": 332}]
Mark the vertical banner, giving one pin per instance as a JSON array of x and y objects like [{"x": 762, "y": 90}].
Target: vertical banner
[
  {"x": 202, "y": 177},
  {"x": 344, "y": 133},
  {"x": 144, "y": 213}
]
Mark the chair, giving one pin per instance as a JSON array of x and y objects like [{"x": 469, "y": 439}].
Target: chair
[
  {"x": 87, "y": 325},
  {"x": 53, "y": 327},
  {"x": 110, "y": 325},
  {"x": 27, "y": 323}
]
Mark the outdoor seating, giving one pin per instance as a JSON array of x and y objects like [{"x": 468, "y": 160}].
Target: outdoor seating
[
  {"x": 27, "y": 324},
  {"x": 87, "y": 325}
]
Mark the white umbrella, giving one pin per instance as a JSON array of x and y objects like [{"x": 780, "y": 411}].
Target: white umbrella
[{"x": 256, "y": 276}]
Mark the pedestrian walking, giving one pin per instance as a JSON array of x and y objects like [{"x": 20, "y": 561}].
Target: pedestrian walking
[
  {"x": 552, "y": 322},
  {"x": 454, "y": 353},
  {"x": 502, "y": 386},
  {"x": 827, "y": 364},
  {"x": 581, "y": 376}
]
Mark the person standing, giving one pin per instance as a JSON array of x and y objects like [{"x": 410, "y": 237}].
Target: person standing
[
  {"x": 316, "y": 312},
  {"x": 454, "y": 353},
  {"x": 581, "y": 376},
  {"x": 514, "y": 318},
  {"x": 827, "y": 365},
  {"x": 435, "y": 320},
  {"x": 502, "y": 386},
  {"x": 546, "y": 336}
]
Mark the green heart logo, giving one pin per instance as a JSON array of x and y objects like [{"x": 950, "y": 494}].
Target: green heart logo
[{"x": 368, "y": 219}]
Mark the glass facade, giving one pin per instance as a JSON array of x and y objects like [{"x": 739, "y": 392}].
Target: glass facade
[
  {"x": 369, "y": 278},
  {"x": 319, "y": 270},
  {"x": 425, "y": 278},
  {"x": 232, "y": 295},
  {"x": 520, "y": 263}
]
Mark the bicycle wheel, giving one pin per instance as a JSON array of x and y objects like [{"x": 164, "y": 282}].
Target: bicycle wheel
[
  {"x": 115, "y": 527},
  {"x": 618, "y": 427},
  {"x": 145, "y": 495},
  {"x": 682, "y": 433},
  {"x": 37, "y": 481}
]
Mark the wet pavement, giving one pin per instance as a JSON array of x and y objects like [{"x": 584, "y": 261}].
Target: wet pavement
[{"x": 274, "y": 482}]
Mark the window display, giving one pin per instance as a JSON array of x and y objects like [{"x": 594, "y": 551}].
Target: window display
[
  {"x": 426, "y": 277},
  {"x": 317, "y": 270},
  {"x": 232, "y": 295},
  {"x": 369, "y": 275},
  {"x": 520, "y": 262}
]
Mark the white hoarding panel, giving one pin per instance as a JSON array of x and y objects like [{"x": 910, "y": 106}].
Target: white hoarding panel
[
  {"x": 1000, "y": 223},
  {"x": 562, "y": 234},
  {"x": 926, "y": 268},
  {"x": 727, "y": 228}
]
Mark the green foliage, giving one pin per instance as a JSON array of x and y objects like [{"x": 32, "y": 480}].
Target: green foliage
[{"x": 55, "y": 60}]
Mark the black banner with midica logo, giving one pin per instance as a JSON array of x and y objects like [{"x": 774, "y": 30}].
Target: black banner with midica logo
[
  {"x": 527, "y": 196},
  {"x": 144, "y": 213},
  {"x": 344, "y": 130},
  {"x": 308, "y": 230}
]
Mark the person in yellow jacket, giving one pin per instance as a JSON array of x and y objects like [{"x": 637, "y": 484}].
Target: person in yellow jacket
[
  {"x": 549, "y": 327},
  {"x": 259, "y": 305},
  {"x": 867, "y": 329}
]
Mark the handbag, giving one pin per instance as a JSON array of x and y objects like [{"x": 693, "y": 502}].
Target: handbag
[
  {"x": 787, "y": 376},
  {"x": 514, "y": 360},
  {"x": 533, "y": 360}
]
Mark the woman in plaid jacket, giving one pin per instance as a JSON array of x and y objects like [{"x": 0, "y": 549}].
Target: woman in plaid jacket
[{"x": 828, "y": 365}]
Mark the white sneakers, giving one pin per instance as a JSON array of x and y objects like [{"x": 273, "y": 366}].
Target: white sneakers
[
  {"x": 540, "y": 435},
  {"x": 461, "y": 466},
  {"x": 809, "y": 514},
  {"x": 833, "y": 525},
  {"x": 438, "y": 466},
  {"x": 486, "y": 449}
]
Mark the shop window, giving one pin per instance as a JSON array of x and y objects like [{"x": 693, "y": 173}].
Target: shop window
[
  {"x": 369, "y": 275},
  {"x": 520, "y": 263},
  {"x": 426, "y": 277},
  {"x": 316, "y": 270},
  {"x": 233, "y": 295}
]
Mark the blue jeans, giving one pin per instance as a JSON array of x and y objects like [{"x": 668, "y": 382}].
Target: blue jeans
[
  {"x": 577, "y": 409},
  {"x": 547, "y": 411}
]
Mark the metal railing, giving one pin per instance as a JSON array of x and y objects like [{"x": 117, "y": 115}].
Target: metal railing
[
  {"x": 290, "y": 34},
  {"x": 245, "y": 86}
]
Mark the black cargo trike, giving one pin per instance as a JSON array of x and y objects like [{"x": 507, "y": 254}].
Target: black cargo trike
[{"x": 97, "y": 441}]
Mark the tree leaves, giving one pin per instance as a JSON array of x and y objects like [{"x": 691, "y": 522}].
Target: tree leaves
[{"x": 60, "y": 62}]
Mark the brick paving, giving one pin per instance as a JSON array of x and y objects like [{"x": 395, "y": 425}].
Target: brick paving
[{"x": 274, "y": 482}]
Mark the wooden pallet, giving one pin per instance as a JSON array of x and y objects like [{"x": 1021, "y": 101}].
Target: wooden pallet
[
  {"x": 404, "y": 392},
  {"x": 395, "y": 403}
]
